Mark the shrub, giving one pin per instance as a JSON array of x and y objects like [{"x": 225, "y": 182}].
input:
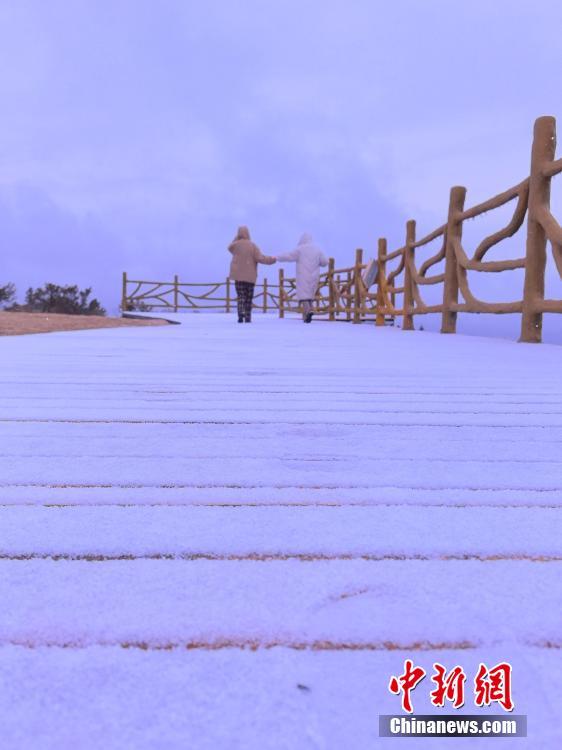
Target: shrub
[
  {"x": 69, "y": 300},
  {"x": 7, "y": 295},
  {"x": 138, "y": 307}
]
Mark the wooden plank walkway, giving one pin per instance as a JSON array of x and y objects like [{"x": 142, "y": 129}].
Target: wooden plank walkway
[{"x": 217, "y": 535}]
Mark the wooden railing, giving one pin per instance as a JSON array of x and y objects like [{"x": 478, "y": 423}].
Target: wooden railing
[
  {"x": 532, "y": 200},
  {"x": 342, "y": 294},
  {"x": 345, "y": 294},
  {"x": 178, "y": 296}
]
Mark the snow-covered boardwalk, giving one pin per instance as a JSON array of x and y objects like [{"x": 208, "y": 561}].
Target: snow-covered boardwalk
[{"x": 227, "y": 536}]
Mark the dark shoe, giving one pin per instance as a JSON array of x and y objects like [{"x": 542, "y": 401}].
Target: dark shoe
[
  {"x": 240, "y": 319},
  {"x": 309, "y": 317},
  {"x": 248, "y": 320}
]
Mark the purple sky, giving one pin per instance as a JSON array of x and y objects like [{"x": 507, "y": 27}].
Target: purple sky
[{"x": 137, "y": 135}]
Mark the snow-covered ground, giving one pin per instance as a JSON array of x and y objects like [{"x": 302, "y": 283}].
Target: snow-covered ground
[{"x": 227, "y": 536}]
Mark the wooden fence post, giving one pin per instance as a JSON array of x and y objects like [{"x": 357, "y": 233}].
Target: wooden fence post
[
  {"x": 544, "y": 146},
  {"x": 175, "y": 293},
  {"x": 264, "y": 308},
  {"x": 331, "y": 292},
  {"x": 228, "y": 294},
  {"x": 451, "y": 283},
  {"x": 357, "y": 295},
  {"x": 281, "y": 294},
  {"x": 381, "y": 282},
  {"x": 408, "y": 296},
  {"x": 124, "y": 304}
]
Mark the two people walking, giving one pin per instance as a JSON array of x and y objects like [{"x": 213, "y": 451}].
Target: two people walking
[{"x": 244, "y": 271}]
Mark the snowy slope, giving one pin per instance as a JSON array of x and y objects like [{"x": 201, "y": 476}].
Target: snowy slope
[{"x": 197, "y": 520}]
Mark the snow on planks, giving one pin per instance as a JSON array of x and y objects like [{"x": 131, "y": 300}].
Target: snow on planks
[{"x": 250, "y": 525}]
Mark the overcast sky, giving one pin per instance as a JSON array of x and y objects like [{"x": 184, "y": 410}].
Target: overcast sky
[{"x": 137, "y": 134}]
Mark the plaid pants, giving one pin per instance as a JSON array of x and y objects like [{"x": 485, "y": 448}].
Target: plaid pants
[{"x": 245, "y": 294}]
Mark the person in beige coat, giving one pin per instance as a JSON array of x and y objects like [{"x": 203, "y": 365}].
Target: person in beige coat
[{"x": 244, "y": 271}]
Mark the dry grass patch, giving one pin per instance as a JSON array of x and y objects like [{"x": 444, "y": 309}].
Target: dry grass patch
[{"x": 18, "y": 323}]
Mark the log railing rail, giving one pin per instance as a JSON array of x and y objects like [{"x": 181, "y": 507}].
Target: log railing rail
[
  {"x": 532, "y": 201},
  {"x": 177, "y": 296},
  {"x": 343, "y": 294}
]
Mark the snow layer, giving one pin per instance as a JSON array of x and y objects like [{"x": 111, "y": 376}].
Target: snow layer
[
  {"x": 372, "y": 531},
  {"x": 274, "y": 699},
  {"x": 297, "y": 490},
  {"x": 350, "y": 602}
]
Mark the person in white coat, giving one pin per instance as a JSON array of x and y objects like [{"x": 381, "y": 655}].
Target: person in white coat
[{"x": 309, "y": 259}]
